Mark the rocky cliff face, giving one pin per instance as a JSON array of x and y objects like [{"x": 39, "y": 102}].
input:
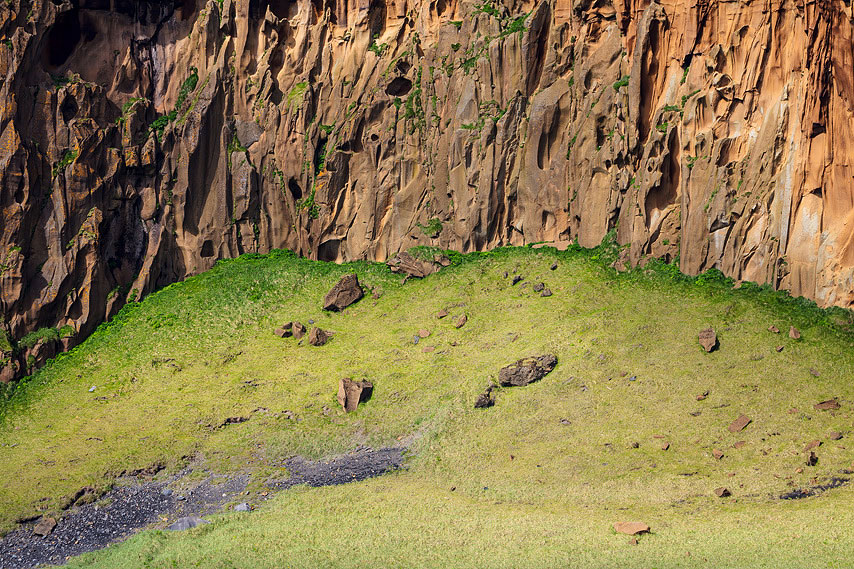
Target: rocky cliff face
[{"x": 141, "y": 140}]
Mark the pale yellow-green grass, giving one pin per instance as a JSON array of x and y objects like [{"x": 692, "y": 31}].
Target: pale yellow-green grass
[
  {"x": 538, "y": 478},
  {"x": 407, "y": 520}
]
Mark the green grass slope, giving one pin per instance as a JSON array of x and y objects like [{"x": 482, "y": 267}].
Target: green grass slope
[{"x": 537, "y": 480}]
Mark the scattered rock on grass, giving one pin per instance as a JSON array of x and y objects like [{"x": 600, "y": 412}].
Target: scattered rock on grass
[
  {"x": 485, "y": 399},
  {"x": 351, "y": 393},
  {"x": 829, "y": 405},
  {"x": 298, "y": 330},
  {"x": 44, "y": 527},
  {"x": 779, "y": 348},
  {"x": 527, "y": 370},
  {"x": 718, "y": 454},
  {"x": 739, "y": 424},
  {"x": 546, "y": 293},
  {"x": 812, "y": 459},
  {"x": 708, "y": 339},
  {"x": 345, "y": 292},
  {"x": 539, "y": 287},
  {"x": 722, "y": 492},
  {"x": 186, "y": 523},
  {"x": 233, "y": 421},
  {"x": 794, "y": 333},
  {"x": 814, "y": 372},
  {"x": 631, "y": 528},
  {"x": 461, "y": 321},
  {"x": 285, "y": 331},
  {"x": 702, "y": 396},
  {"x": 243, "y": 507},
  {"x": 773, "y": 329},
  {"x": 442, "y": 313},
  {"x": 834, "y": 435},
  {"x": 553, "y": 267},
  {"x": 423, "y": 333},
  {"x": 811, "y": 445},
  {"x": 318, "y": 337}
]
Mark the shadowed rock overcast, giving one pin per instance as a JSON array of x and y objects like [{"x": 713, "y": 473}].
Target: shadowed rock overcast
[{"x": 140, "y": 141}]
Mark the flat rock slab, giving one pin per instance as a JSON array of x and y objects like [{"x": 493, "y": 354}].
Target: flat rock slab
[
  {"x": 829, "y": 405},
  {"x": 351, "y": 393},
  {"x": 708, "y": 339},
  {"x": 526, "y": 370},
  {"x": 559, "y": 245},
  {"x": 794, "y": 333},
  {"x": 345, "y": 292},
  {"x": 739, "y": 424},
  {"x": 631, "y": 528},
  {"x": 44, "y": 527},
  {"x": 186, "y": 523},
  {"x": 410, "y": 266}
]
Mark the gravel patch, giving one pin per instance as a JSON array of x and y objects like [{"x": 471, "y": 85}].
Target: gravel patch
[{"x": 134, "y": 504}]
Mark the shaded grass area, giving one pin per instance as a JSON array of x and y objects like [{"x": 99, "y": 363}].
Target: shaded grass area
[{"x": 544, "y": 472}]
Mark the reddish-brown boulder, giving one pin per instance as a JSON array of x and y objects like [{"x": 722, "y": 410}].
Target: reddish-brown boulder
[
  {"x": 318, "y": 337},
  {"x": 526, "y": 370},
  {"x": 345, "y": 292}
]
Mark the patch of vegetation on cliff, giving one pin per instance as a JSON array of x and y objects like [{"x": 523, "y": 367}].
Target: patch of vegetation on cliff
[{"x": 158, "y": 126}]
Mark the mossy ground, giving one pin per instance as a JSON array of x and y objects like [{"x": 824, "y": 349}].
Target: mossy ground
[{"x": 538, "y": 479}]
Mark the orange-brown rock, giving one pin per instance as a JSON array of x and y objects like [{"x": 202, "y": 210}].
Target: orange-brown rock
[
  {"x": 140, "y": 142},
  {"x": 351, "y": 393},
  {"x": 631, "y": 528}
]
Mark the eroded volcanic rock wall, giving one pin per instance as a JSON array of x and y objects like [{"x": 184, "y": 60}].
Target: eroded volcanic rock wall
[{"x": 141, "y": 140}]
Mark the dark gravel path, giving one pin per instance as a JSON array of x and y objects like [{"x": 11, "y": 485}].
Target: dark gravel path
[
  {"x": 134, "y": 505},
  {"x": 352, "y": 467},
  {"x": 87, "y": 528}
]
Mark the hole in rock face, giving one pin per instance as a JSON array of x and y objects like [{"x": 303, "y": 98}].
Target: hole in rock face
[
  {"x": 398, "y": 87},
  {"x": 284, "y": 9},
  {"x": 328, "y": 251},
  {"x": 294, "y": 188},
  {"x": 69, "y": 109},
  {"x": 377, "y": 17},
  {"x": 374, "y": 137},
  {"x": 62, "y": 39},
  {"x": 207, "y": 249}
]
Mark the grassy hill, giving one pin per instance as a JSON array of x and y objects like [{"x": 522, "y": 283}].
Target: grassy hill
[{"x": 615, "y": 433}]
